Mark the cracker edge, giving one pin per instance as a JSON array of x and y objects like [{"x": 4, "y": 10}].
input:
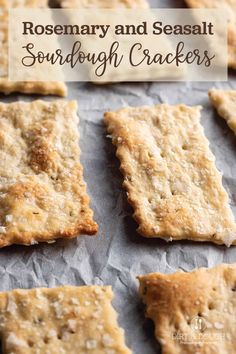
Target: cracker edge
[
  {"x": 45, "y": 88},
  {"x": 213, "y": 100}
]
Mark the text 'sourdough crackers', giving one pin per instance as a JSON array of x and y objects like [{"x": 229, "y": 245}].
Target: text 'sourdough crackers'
[
  {"x": 170, "y": 174},
  {"x": 42, "y": 192}
]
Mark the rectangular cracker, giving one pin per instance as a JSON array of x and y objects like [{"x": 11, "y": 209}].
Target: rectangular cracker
[
  {"x": 65, "y": 320},
  {"x": 7, "y": 87},
  {"x": 104, "y": 3},
  {"x": 230, "y": 7},
  {"x": 170, "y": 174},
  {"x": 42, "y": 191},
  {"x": 225, "y": 103},
  {"x": 193, "y": 312}
]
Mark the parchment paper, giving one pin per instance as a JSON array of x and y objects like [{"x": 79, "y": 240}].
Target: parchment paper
[{"x": 118, "y": 254}]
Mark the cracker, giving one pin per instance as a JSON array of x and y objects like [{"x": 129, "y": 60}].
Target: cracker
[
  {"x": 33, "y": 87},
  {"x": 7, "y": 87},
  {"x": 23, "y": 3},
  {"x": 170, "y": 174},
  {"x": 42, "y": 191},
  {"x": 104, "y": 3},
  {"x": 230, "y": 7},
  {"x": 193, "y": 312},
  {"x": 66, "y": 320},
  {"x": 225, "y": 103}
]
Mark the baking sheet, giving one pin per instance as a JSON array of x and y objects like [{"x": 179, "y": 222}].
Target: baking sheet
[{"x": 118, "y": 254}]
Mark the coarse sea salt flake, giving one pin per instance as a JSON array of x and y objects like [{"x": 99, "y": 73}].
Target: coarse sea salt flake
[
  {"x": 2, "y": 230},
  {"x": 52, "y": 333},
  {"x": 107, "y": 340},
  {"x": 72, "y": 325},
  {"x": 91, "y": 344},
  {"x": 13, "y": 340},
  {"x": 218, "y": 325},
  {"x": 9, "y": 218},
  {"x": 58, "y": 310},
  {"x": 229, "y": 239},
  {"x": 74, "y": 301},
  {"x": 11, "y": 305}
]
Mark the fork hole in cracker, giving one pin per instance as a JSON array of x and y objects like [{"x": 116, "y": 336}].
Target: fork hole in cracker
[
  {"x": 46, "y": 340},
  {"x": 211, "y": 306},
  {"x": 30, "y": 343},
  {"x": 176, "y": 326}
]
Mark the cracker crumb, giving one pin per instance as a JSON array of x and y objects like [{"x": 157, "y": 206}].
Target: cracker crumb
[{"x": 33, "y": 242}]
